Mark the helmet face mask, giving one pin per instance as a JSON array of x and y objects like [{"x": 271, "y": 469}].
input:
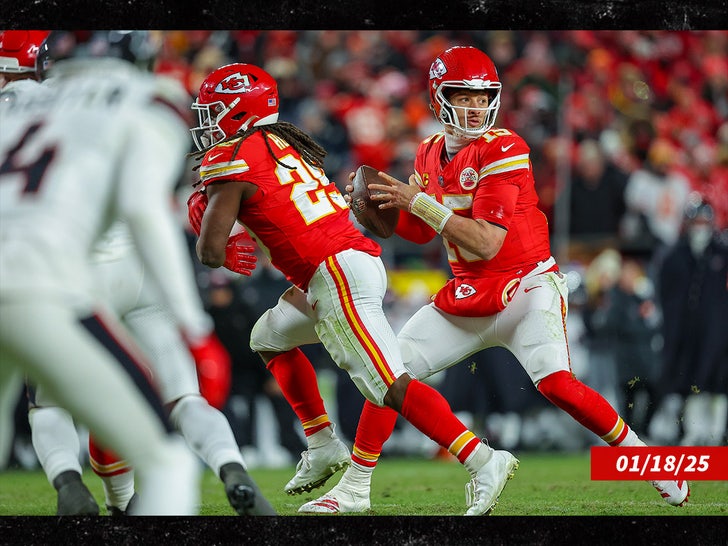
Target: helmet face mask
[
  {"x": 232, "y": 99},
  {"x": 464, "y": 68},
  {"x": 208, "y": 131}
]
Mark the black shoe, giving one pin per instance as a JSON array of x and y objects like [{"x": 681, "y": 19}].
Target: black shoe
[
  {"x": 242, "y": 492},
  {"x": 74, "y": 498},
  {"x": 116, "y": 512}
]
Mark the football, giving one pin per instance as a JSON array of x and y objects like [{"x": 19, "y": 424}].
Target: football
[{"x": 380, "y": 222}]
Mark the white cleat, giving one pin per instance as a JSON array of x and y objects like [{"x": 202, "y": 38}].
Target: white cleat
[
  {"x": 317, "y": 465},
  {"x": 482, "y": 492},
  {"x": 674, "y": 493},
  {"x": 338, "y": 501}
]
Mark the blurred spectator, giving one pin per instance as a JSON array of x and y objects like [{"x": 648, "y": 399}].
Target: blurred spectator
[
  {"x": 629, "y": 321},
  {"x": 691, "y": 119},
  {"x": 715, "y": 88},
  {"x": 694, "y": 301},
  {"x": 600, "y": 277},
  {"x": 630, "y": 95},
  {"x": 317, "y": 121},
  {"x": 656, "y": 196},
  {"x": 597, "y": 197}
]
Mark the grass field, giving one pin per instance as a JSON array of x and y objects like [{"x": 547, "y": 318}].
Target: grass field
[{"x": 545, "y": 485}]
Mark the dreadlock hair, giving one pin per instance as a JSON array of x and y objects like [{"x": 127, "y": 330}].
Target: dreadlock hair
[{"x": 312, "y": 152}]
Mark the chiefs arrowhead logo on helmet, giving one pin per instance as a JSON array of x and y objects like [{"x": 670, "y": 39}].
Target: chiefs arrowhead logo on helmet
[
  {"x": 234, "y": 83},
  {"x": 438, "y": 69}
]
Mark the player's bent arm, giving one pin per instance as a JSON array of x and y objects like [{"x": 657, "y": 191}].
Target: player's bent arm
[
  {"x": 412, "y": 228},
  {"x": 224, "y": 198},
  {"x": 153, "y": 162},
  {"x": 474, "y": 235}
]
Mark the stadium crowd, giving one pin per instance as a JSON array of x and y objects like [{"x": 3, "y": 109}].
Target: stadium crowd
[{"x": 628, "y": 133}]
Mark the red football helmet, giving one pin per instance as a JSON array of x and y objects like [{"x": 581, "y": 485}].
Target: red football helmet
[
  {"x": 232, "y": 99},
  {"x": 464, "y": 68},
  {"x": 19, "y": 49}
]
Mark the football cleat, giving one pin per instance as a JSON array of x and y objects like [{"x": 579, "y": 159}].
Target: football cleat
[
  {"x": 116, "y": 512},
  {"x": 483, "y": 491},
  {"x": 243, "y": 494},
  {"x": 675, "y": 493},
  {"x": 74, "y": 498},
  {"x": 317, "y": 465},
  {"x": 339, "y": 500}
]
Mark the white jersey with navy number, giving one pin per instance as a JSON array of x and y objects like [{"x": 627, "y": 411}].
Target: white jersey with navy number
[
  {"x": 60, "y": 190},
  {"x": 102, "y": 143}
]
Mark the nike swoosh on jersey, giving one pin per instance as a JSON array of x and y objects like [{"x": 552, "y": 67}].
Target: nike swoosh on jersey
[
  {"x": 531, "y": 288},
  {"x": 215, "y": 156},
  {"x": 506, "y": 148}
]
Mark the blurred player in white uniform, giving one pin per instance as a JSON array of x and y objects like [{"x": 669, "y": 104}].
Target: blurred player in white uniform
[
  {"x": 127, "y": 287},
  {"x": 107, "y": 142},
  {"x": 18, "y": 51}
]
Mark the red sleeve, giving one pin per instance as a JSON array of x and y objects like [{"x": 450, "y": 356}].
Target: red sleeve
[
  {"x": 412, "y": 228},
  {"x": 495, "y": 201}
]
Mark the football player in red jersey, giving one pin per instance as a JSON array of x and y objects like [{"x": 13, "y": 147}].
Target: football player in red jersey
[
  {"x": 473, "y": 185},
  {"x": 268, "y": 176}
]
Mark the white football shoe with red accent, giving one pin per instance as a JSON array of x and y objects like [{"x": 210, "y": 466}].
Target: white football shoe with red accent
[
  {"x": 675, "y": 493},
  {"x": 338, "y": 501}
]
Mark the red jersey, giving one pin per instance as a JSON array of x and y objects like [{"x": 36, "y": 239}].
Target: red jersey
[
  {"x": 490, "y": 179},
  {"x": 297, "y": 216}
]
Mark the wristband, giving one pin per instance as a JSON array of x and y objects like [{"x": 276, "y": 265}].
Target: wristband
[{"x": 434, "y": 214}]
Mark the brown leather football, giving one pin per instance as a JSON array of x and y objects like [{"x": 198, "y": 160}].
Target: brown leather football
[{"x": 380, "y": 222}]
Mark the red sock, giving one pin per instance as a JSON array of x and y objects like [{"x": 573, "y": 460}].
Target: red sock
[
  {"x": 296, "y": 377},
  {"x": 103, "y": 462},
  {"x": 585, "y": 405},
  {"x": 375, "y": 427},
  {"x": 430, "y": 413}
]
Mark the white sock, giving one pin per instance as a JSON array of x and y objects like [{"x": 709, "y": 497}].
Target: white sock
[
  {"x": 55, "y": 440},
  {"x": 480, "y": 456},
  {"x": 631, "y": 440},
  {"x": 321, "y": 437},
  {"x": 207, "y": 432},
  {"x": 119, "y": 489},
  {"x": 357, "y": 477}
]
